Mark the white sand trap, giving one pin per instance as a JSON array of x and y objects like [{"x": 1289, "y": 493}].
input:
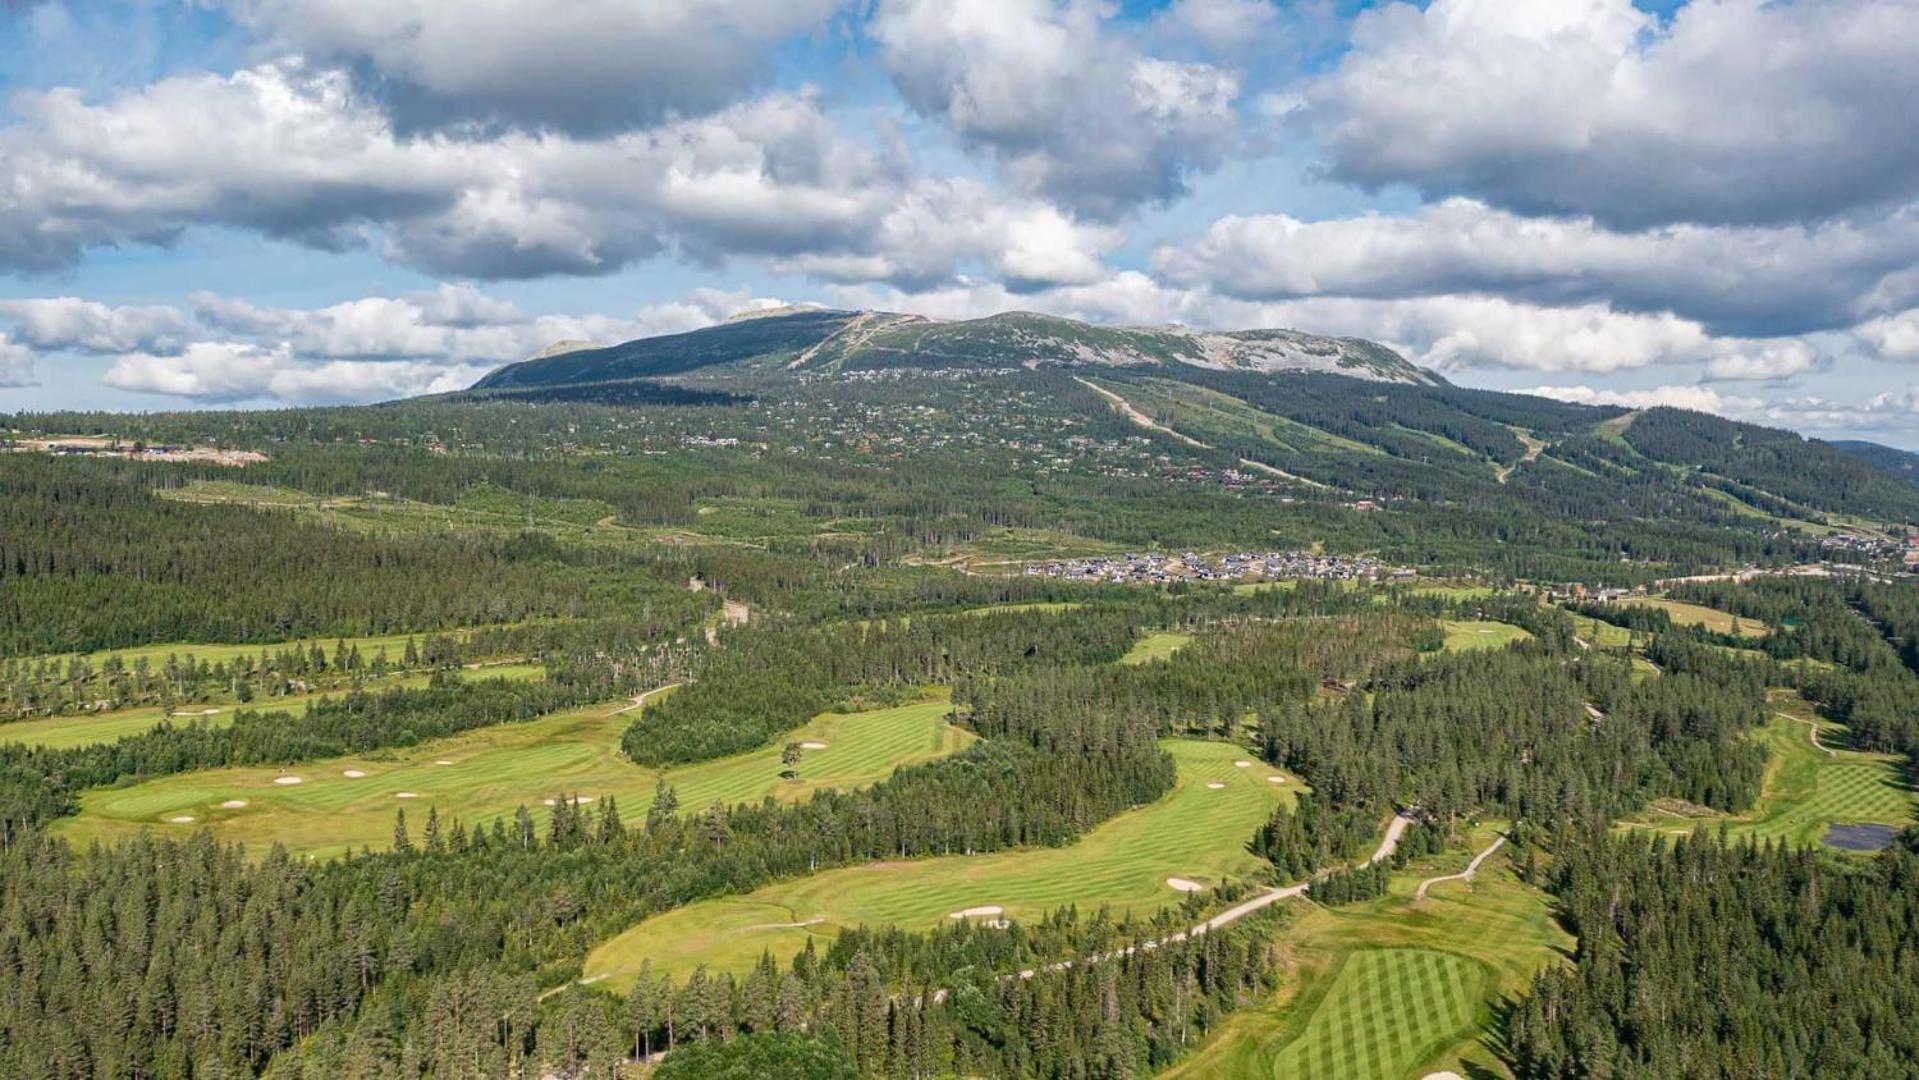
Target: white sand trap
[
  {"x": 1215, "y": 785},
  {"x": 183, "y": 819},
  {"x": 289, "y": 780},
  {"x": 577, "y": 800},
  {"x": 1242, "y": 764},
  {"x": 443, "y": 762},
  {"x": 202, "y": 712},
  {"x": 1275, "y": 779},
  {"x": 1447, "y": 1075},
  {"x": 1183, "y": 885},
  {"x": 234, "y": 804},
  {"x": 353, "y": 774},
  {"x": 406, "y": 795},
  {"x": 812, "y": 746},
  {"x": 993, "y": 910}
]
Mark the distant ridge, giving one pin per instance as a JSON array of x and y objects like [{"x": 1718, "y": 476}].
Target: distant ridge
[{"x": 802, "y": 338}]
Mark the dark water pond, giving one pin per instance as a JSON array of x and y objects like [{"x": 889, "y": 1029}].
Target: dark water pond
[{"x": 1858, "y": 837}]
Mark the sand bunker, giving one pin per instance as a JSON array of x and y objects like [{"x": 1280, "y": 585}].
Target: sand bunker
[
  {"x": 353, "y": 774},
  {"x": 812, "y": 746},
  {"x": 202, "y": 712},
  {"x": 993, "y": 910},
  {"x": 1275, "y": 779},
  {"x": 406, "y": 795},
  {"x": 1183, "y": 885},
  {"x": 1215, "y": 785},
  {"x": 1242, "y": 764},
  {"x": 289, "y": 780},
  {"x": 443, "y": 762},
  {"x": 577, "y": 800},
  {"x": 234, "y": 804},
  {"x": 1447, "y": 1075},
  {"x": 183, "y": 819}
]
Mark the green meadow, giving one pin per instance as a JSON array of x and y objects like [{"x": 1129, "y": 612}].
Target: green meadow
[
  {"x": 1156, "y": 646},
  {"x": 483, "y": 774},
  {"x": 369, "y": 646},
  {"x": 81, "y": 729},
  {"x": 1198, "y": 832},
  {"x": 1391, "y": 988},
  {"x": 1477, "y": 634}
]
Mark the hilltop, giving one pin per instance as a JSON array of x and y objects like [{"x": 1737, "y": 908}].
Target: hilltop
[{"x": 818, "y": 339}]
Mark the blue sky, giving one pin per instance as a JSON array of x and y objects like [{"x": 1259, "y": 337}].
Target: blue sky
[{"x": 256, "y": 202}]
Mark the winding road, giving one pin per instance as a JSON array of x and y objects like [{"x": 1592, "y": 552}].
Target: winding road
[{"x": 1812, "y": 730}]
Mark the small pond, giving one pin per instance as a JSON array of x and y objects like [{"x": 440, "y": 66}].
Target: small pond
[{"x": 1858, "y": 837}]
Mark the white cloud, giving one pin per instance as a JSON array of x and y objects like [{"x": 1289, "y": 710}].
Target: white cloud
[
  {"x": 1763, "y": 281},
  {"x": 1731, "y": 111},
  {"x": 298, "y": 154},
  {"x": 225, "y": 371},
  {"x": 69, "y": 322},
  {"x": 1224, "y": 25},
  {"x": 16, "y": 363},
  {"x": 1071, "y": 110},
  {"x": 581, "y": 66},
  {"x": 1895, "y": 337},
  {"x": 1696, "y": 398}
]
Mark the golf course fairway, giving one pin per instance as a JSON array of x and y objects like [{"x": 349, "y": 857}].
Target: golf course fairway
[
  {"x": 490, "y": 772},
  {"x": 1197, "y": 832}
]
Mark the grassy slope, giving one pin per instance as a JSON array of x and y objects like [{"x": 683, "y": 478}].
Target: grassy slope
[
  {"x": 394, "y": 644},
  {"x": 1474, "y": 634},
  {"x": 61, "y": 732},
  {"x": 1390, "y": 988},
  {"x": 1155, "y": 646},
  {"x": 1806, "y": 791},
  {"x": 1197, "y": 832},
  {"x": 1712, "y": 619},
  {"x": 496, "y": 770}
]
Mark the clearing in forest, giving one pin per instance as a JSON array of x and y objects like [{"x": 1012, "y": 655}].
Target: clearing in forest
[
  {"x": 1196, "y": 832},
  {"x": 495, "y": 771},
  {"x": 1156, "y": 646},
  {"x": 1390, "y": 987},
  {"x": 1719, "y": 622},
  {"x": 1478, "y": 634},
  {"x": 1807, "y": 790},
  {"x": 81, "y": 729}
]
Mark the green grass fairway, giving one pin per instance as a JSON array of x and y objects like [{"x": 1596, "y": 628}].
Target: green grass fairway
[
  {"x": 1601, "y": 634},
  {"x": 1196, "y": 832},
  {"x": 1806, "y": 791},
  {"x": 61, "y": 732},
  {"x": 1713, "y": 619},
  {"x": 1385, "y": 1012},
  {"x": 493, "y": 772},
  {"x": 1476, "y": 634},
  {"x": 1156, "y": 646},
  {"x": 1390, "y": 988}
]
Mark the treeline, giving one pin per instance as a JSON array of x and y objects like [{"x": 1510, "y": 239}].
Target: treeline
[
  {"x": 772, "y": 679},
  {"x": 1700, "y": 958},
  {"x": 91, "y": 558}
]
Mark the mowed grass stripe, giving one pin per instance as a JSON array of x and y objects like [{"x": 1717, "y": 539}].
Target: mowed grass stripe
[
  {"x": 496, "y": 770},
  {"x": 1196, "y": 832},
  {"x": 1386, "y": 1011}
]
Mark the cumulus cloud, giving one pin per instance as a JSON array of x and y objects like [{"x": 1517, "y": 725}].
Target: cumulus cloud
[
  {"x": 585, "y": 66},
  {"x": 1895, "y": 411},
  {"x": 1071, "y": 110},
  {"x": 71, "y": 323},
  {"x": 298, "y": 154},
  {"x": 1741, "y": 111},
  {"x": 16, "y": 363},
  {"x": 1757, "y": 280},
  {"x": 1894, "y": 337},
  {"x": 225, "y": 371},
  {"x": 1696, "y": 398}
]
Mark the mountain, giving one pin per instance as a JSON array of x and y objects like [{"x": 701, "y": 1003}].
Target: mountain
[
  {"x": 1892, "y": 461},
  {"x": 815, "y": 339}
]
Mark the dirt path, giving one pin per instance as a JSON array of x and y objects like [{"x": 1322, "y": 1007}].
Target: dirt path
[
  {"x": 1464, "y": 875},
  {"x": 1812, "y": 731},
  {"x": 1126, "y": 409},
  {"x": 732, "y": 613},
  {"x": 643, "y": 698},
  {"x": 1387, "y": 845},
  {"x": 1533, "y": 447}
]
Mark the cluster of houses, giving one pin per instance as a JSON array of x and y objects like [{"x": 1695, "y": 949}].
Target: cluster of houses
[
  {"x": 1155, "y": 568},
  {"x": 88, "y": 446}
]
